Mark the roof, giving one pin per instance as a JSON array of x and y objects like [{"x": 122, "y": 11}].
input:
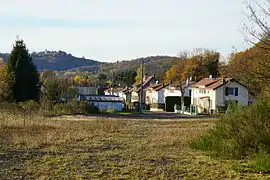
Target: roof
[
  {"x": 183, "y": 85},
  {"x": 116, "y": 90},
  {"x": 159, "y": 87},
  {"x": 212, "y": 83},
  {"x": 148, "y": 79},
  {"x": 101, "y": 98}
]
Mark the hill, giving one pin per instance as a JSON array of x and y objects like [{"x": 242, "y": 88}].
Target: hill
[
  {"x": 63, "y": 62},
  {"x": 157, "y": 65},
  {"x": 58, "y": 60}
]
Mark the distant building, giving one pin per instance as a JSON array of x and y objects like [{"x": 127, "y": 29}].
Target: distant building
[
  {"x": 104, "y": 103},
  {"x": 87, "y": 90}
]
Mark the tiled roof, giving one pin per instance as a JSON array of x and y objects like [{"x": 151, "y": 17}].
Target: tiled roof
[
  {"x": 211, "y": 83},
  {"x": 206, "y": 81}
]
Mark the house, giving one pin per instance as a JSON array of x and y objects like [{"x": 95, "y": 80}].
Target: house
[
  {"x": 212, "y": 94},
  {"x": 113, "y": 91},
  {"x": 104, "y": 103},
  {"x": 155, "y": 96},
  {"x": 136, "y": 90},
  {"x": 173, "y": 95},
  {"x": 124, "y": 93},
  {"x": 175, "y": 90}
]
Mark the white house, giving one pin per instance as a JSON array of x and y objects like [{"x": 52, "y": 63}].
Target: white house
[
  {"x": 172, "y": 90},
  {"x": 113, "y": 92},
  {"x": 211, "y": 94},
  {"x": 155, "y": 94}
]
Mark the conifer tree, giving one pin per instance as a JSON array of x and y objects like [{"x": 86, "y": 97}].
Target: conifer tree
[{"x": 26, "y": 84}]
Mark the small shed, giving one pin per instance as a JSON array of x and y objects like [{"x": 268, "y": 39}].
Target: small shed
[{"x": 104, "y": 103}]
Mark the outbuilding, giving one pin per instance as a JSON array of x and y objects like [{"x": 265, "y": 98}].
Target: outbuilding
[{"x": 104, "y": 103}]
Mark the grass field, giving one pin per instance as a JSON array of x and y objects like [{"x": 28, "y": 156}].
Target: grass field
[{"x": 110, "y": 148}]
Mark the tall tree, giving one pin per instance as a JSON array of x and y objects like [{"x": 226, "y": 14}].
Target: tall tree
[
  {"x": 252, "y": 68},
  {"x": 26, "y": 84}
]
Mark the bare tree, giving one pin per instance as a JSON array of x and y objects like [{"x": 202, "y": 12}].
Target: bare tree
[{"x": 257, "y": 28}]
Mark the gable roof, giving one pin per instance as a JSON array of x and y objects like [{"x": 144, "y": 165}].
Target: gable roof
[
  {"x": 145, "y": 81},
  {"x": 211, "y": 83},
  {"x": 158, "y": 87}
]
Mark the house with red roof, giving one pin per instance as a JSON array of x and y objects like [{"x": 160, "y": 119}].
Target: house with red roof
[{"x": 212, "y": 94}]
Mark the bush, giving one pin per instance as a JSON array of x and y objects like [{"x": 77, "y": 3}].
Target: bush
[
  {"x": 240, "y": 132},
  {"x": 75, "y": 107}
]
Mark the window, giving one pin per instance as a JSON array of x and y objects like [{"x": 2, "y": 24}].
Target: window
[{"x": 229, "y": 91}]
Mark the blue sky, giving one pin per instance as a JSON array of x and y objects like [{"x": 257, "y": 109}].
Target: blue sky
[{"x": 111, "y": 30}]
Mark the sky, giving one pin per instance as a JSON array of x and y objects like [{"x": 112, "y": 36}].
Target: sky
[{"x": 115, "y": 30}]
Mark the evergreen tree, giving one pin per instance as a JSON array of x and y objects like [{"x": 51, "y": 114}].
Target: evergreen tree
[{"x": 26, "y": 84}]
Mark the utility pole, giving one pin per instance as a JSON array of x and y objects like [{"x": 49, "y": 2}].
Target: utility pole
[{"x": 141, "y": 91}]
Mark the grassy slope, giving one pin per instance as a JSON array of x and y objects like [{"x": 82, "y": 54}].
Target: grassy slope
[{"x": 109, "y": 149}]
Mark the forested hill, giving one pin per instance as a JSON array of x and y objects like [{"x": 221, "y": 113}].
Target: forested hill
[
  {"x": 58, "y": 60},
  {"x": 62, "y": 61},
  {"x": 154, "y": 65}
]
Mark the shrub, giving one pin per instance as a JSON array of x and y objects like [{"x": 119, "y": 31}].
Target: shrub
[
  {"x": 75, "y": 107},
  {"x": 240, "y": 132}
]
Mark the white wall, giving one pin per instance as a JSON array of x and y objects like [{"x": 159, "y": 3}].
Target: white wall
[
  {"x": 172, "y": 91},
  {"x": 242, "y": 97},
  {"x": 218, "y": 98}
]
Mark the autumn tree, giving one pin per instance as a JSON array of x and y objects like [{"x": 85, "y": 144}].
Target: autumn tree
[
  {"x": 201, "y": 64},
  {"x": 252, "y": 68},
  {"x": 26, "y": 84},
  {"x": 6, "y": 81}
]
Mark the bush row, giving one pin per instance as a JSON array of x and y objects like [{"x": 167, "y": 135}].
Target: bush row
[{"x": 241, "y": 132}]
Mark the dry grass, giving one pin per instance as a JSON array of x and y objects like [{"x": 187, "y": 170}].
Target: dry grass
[{"x": 96, "y": 148}]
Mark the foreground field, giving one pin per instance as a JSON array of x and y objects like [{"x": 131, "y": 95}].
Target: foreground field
[{"x": 110, "y": 148}]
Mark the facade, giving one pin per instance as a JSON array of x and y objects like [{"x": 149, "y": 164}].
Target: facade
[
  {"x": 211, "y": 94},
  {"x": 156, "y": 94},
  {"x": 176, "y": 90}
]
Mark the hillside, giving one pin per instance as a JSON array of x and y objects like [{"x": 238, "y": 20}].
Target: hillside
[
  {"x": 62, "y": 62},
  {"x": 154, "y": 65},
  {"x": 58, "y": 60}
]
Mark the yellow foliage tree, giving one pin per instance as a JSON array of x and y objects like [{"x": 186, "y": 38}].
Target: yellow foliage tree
[{"x": 6, "y": 81}]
